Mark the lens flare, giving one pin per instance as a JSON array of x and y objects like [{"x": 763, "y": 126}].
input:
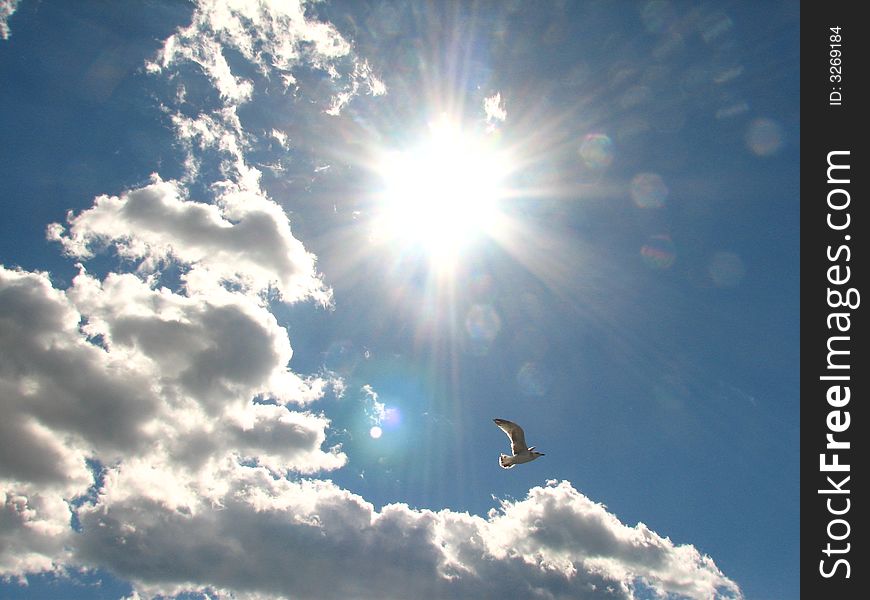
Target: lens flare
[
  {"x": 659, "y": 252},
  {"x": 596, "y": 151},
  {"x": 482, "y": 323},
  {"x": 341, "y": 356},
  {"x": 532, "y": 380},
  {"x": 648, "y": 190},
  {"x": 764, "y": 137},
  {"x": 392, "y": 417}
]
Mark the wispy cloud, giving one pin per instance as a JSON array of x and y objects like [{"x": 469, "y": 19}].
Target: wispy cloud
[
  {"x": 375, "y": 409},
  {"x": 495, "y": 109},
  {"x": 276, "y": 37},
  {"x": 7, "y": 8}
]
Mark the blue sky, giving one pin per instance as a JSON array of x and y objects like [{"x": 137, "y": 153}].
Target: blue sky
[{"x": 269, "y": 271}]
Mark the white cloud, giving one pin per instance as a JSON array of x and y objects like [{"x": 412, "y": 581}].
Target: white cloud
[
  {"x": 34, "y": 530},
  {"x": 211, "y": 349},
  {"x": 375, "y": 409},
  {"x": 311, "y": 539},
  {"x": 275, "y": 36},
  {"x": 218, "y": 135},
  {"x": 570, "y": 533},
  {"x": 278, "y": 439},
  {"x": 280, "y": 137},
  {"x": 363, "y": 78},
  {"x": 158, "y": 384},
  {"x": 245, "y": 239},
  {"x": 62, "y": 400},
  {"x": 7, "y": 7},
  {"x": 494, "y": 108},
  {"x": 52, "y": 377}
]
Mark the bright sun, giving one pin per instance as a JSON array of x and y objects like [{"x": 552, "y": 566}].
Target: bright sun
[{"x": 443, "y": 192}]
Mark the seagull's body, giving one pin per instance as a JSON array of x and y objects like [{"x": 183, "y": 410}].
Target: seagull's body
[{"x": 521, "y": 452}]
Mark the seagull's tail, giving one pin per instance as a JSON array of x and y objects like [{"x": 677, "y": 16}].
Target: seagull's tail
[{"x": 506, "y": 462}]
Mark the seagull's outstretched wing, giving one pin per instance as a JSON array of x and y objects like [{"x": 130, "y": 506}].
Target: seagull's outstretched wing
[{"x": 515, "y": 433}]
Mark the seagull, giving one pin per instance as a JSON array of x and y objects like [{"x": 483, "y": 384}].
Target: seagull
[{"x": 521, "y": 453}]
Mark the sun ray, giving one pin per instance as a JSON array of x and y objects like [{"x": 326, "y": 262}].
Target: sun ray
[{"x": 443, "y": 192}]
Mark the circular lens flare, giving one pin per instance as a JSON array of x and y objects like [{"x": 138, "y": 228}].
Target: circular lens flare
[
  {"x": 764, "y": 137},
  {"x": 648, "y": 190},
  {"x": 596, "y": 151},
  {"x": 659, "y": 252}
]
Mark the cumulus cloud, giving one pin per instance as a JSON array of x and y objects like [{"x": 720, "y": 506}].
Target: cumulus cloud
[
  {"x": 62, "y": 400},
  {"x": 53, "y": 378},
  {"x": 277, "y": 439},
  {"x": 571, "y": 533},
  {"x": 34, "y": 530},
  {"x": 116, "y": 372},
  {"x": 556, "y": 543},
  {"x": 244, "y": 239}
]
